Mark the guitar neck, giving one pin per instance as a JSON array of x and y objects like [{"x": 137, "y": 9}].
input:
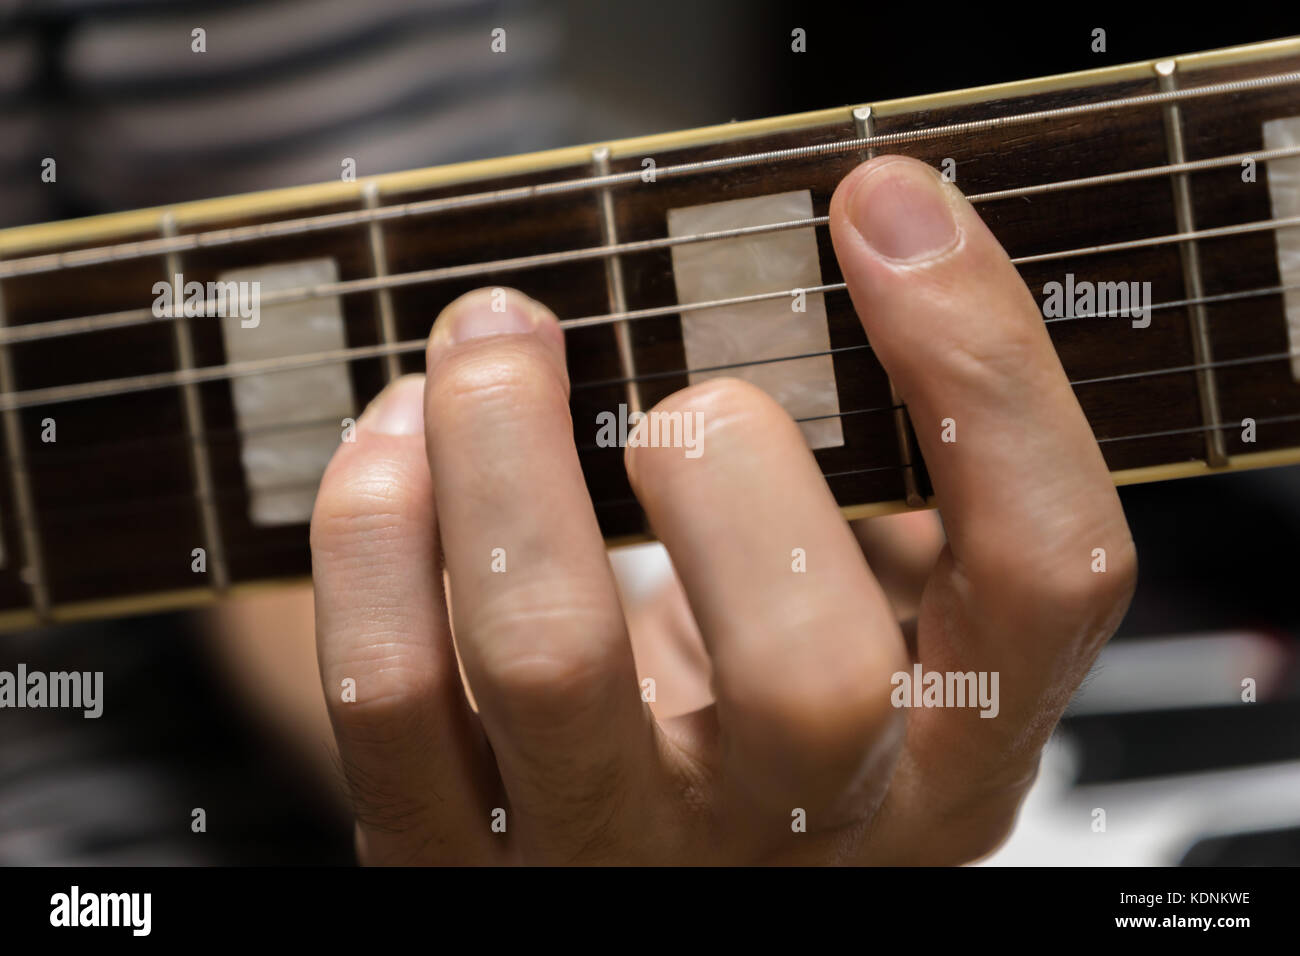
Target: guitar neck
[{"x": 162, "y": 444}]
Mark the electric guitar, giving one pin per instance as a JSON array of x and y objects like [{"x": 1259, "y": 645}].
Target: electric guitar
[{"x": 173, "y": 380}]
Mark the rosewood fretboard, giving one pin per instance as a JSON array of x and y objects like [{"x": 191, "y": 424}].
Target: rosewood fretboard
[{"x": 104, "y": 520}]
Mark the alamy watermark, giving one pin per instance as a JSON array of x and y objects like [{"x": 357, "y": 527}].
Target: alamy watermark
[
  {"x": 946, "y": 689},
  {"x": 653, "y": 429},
  {"x": 191, "y": 300},
  {"x": 79, "y": 690},
  {"x": 1085, "y": 300},
  {"x": 75, "y": 908}
]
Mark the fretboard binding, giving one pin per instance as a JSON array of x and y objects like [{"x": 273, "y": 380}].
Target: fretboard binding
[{"x": 132, "y": 250}]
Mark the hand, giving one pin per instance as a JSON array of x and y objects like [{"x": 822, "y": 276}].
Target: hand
[{"x": 803, "y": 665}]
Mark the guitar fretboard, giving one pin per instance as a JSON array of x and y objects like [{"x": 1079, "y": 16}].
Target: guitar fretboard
[{"x": 128, "y": 438}]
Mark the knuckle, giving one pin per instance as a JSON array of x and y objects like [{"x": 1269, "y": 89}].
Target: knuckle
[
  {"x": 982, "y": 832},
  {"x": 1059, "y": 584},
  {"x": 366, "y": 499},
  {"x": 390, "y": 709},
  {"x": 974, "y": 325},
  {"x": 978, "y": 825},
  {"x": 969, "y": 356},
  {"x": 543, "y": 647},
  {"x": 492, "y": 383},
  {"x": 1097, "y": 599},
  {"x": 542, "y": 676},
  {"x": 829, "y": 714}
]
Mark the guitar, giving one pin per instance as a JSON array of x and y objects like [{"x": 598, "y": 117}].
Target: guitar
[{"x": 173, "y": 380}]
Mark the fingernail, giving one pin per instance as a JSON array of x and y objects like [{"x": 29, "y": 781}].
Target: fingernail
[
  {"x": 486, "y": 312},
  {"x": 493, "y": 312},
  {"x": 902, "y": 212},
  {"x": 398, "y": 409}
]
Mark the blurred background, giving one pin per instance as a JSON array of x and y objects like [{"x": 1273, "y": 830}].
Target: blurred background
[{"x": 1158, "y": 736}]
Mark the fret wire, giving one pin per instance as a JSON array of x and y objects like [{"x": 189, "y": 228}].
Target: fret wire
[
  {"x": 386, "y": 320},
  {"x": 144, "y": 316},
  {"x": 74, "y": 514},
  {"x": 1207, "y": 392},
  {"x": 192, "y": 408},
  {"x": 614, "y": 280},
  {"x": 49, "y": 262},
  {"x": 33, "y": 572}
]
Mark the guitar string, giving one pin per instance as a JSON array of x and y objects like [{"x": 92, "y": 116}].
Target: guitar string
[
  {"x": 102, "y": 254},
  {"x": 105, "y": 388},
  {"x": 210, "y": 308},
  {"x": 221, "y": 436},
  {"x": 295, "y": 546},
  {"x": 240, "y": 491},
  {"x": 611, "y": 503},
  {"x": 144, "y": 505},
  {"x": 854, "y": 472},
  {"x": 1045, "y": 187},
  {"x": 216, "y": 437},
  {"x": 866, "y": 346}
]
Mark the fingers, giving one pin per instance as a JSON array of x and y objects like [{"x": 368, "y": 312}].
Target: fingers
[
  {"x": 801, "y": 637},
  {"x": 1022, "y": 483},
  {"x": 666, "y": 643},
  {"x": 537, "y": 616},
  {"x": 411, "y": 750},
  {"x": 1024, "y": 491},
  {"x": 901, "y": 551}
]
